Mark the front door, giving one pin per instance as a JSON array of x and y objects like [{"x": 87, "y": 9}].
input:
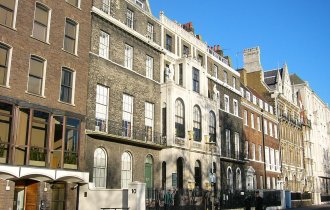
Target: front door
[
  {"x": 31, "y": 199},
  {"x": 26, "y": 195},
  {"x": 148, "y": 175}
]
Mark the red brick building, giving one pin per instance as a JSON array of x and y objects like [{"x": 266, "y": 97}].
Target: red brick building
[{"x": 260, "y": 130}]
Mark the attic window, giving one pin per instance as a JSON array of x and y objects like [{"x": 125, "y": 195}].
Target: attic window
[{"x": 140, "y": 3}]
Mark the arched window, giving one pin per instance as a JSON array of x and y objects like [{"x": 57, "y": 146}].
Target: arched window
[
  {"x": 230, "y": 179},
  {"x": 238, "y": 179},
  {"x": 198, "y": 174},
  {"x": 100, "y": 168},
  {"x": 212, "y": 127},
  {"x": 126, "y": 169},
  {"x": 148, "y": 172},
  {"x": 197, "y": 124},
  {"x": 179, "y": 119}
]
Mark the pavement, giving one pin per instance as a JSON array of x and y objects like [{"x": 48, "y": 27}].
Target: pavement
[{"x": 315, "y": 207}]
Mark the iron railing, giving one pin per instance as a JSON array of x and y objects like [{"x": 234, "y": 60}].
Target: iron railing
[
  {"x": 182, "y": 199},
  {"x": 125, "y": 130}
]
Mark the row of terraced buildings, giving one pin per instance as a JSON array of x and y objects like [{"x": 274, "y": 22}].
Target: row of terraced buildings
[{"x": 99, "y": 96}]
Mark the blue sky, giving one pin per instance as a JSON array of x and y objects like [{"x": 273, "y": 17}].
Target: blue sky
[{"x": 293, "y": 31}]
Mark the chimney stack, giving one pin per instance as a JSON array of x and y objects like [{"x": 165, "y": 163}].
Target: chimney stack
[{"x": 251, "y": 59}]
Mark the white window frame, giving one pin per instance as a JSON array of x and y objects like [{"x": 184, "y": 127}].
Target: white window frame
[
  {"x": 258, "y": 123},
  {"x": 48, "y": 21},
  {"x": 130, "y": 18},
  {"x": 253, "y": 151},
  {"x": 139, "y": 3},
  {"x": 248, "y": 95},
  {"x": 9, "y": 57},
  {"x": 235, "y": 107},
  {"x": 254, "y": 99},
  {"x": 102, "y": 101},
  {"x": 228, "y": 146},
  {"x": 106, "y": 6},
  {"x": 215, "y": 71},
  {"x": 234, "y": 82},
  {"x": 268, "y": 182},
  {"x": 226, "y": 98},
  {"x": 237, "y": 147},
  {"x": 73, "y": 84},
  {"x": 128, "y": 113},
  {"x": 77, "y": 36},
  {"x": 260, "y": 153},
  {"x": 14, "y": 16},
  {"x": 150, "y": 31},
  {"x": 270, "y": 128},
  {"x": 271, "y": 110},
  {"x": 149, "y": 67},
  {"x": 266, "y": 107},
  {"x": 261, "y": 104},
  {"x": 103, "y": 168},
  {"x": 225, "y": 77},
  {"x": 245, "y": 118},
  {"x": 275, "y": 132},
  {"x": 149, "y": 116},
  {"x": 128, "y": 63},
  {"x": 104, "y": 44},
  {"x": 277, "y": 159},
  {"x": 265, "y": 127},
  {"x": 267, "y": 157},
  {"x": 252, "y": 120},
  {"x": 242, "y": 92},
  {"x": 43, "y": 75},
  {"x": 272, "y": 159},
  {"x": 126, "y": 169}
]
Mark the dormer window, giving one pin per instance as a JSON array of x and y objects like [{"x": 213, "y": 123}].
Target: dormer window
[{"x": 140, "y": 3}]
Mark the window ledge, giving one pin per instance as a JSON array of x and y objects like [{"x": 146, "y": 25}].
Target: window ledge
[
  {"x": 39, "y": 40},
  {"x": 11, "y": 28},
  {"x": 75, "y": 6},
  {"x": 33, "y": 94},
  {"x": 5, "y": 86},
  {"x": 74, "y": 54},
  {"x": 62, "y": 102}
]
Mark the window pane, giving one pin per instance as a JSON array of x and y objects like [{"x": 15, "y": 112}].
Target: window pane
[
  {"x": 69, "y": 45},
  {"x": 6, "y": 16},
  {"x": 3, "y": 64},
  {"x": 41, "y": 14},
  {"x": 35, "y": 85},
  {"x": 66, "y": 86},
  {"x": 36, "y": 67},
  {"x": 39, "y": 31},
  {"x": 70, "y": 29},
  {"x": 10, "y": 4},
  {"x": 3, "y": 55}
]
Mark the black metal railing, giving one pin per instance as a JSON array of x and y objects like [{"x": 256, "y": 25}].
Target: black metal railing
[
  {"x": 296, "y": 196},
  {"x": 182, "y": 199},
  {"x": 325, "y": 198},
  {"x": 306, "y": 196},
  {"x": 125, "y": 130},
  {"x": 242, "y": 198},
  {"x": 115, "y": 208}
]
